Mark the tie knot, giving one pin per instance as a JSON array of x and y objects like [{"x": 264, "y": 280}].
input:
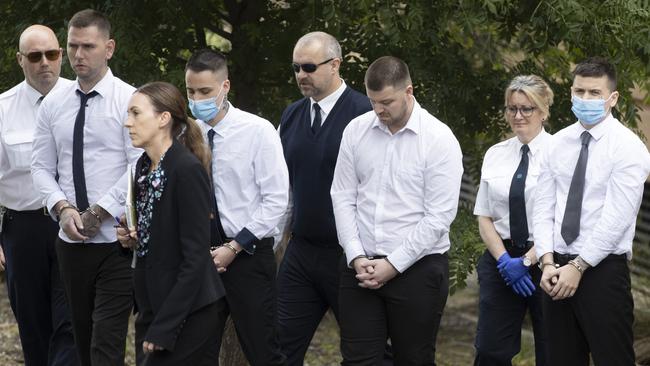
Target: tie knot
[
  {"x": 211, "y": 134},
  {"x": 316, "y": 107},
  {"x": 585, "y": 138},
  {"x": 84, "y": 97},
  {"x": 524, "y": 149}
]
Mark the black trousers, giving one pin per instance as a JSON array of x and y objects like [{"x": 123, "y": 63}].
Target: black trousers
[
  {"x": 98, "y": 285},
  {"x": 35, "y": 290},
  {"x": 597, "y": 319},
  {"x": 250, "y": 283},
  {"x": 308, "y": 285},
  {"x": 407, "y": 309},
  {"x": 195, "y": 343},
  {"x": 501, "y": 314}
]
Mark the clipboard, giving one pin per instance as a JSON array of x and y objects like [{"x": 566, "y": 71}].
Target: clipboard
[{"x": 129, "y": 209}]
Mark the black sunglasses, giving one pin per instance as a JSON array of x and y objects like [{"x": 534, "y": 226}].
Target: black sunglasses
[
  {"x": 37, "y": 56},
  {"x": 308, "y": 68}
]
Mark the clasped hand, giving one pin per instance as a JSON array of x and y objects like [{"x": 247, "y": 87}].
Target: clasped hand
[
  {"x": 127, "y": 238},
  {"x": 516, "y": 275},
  {"x": 81, "y": 225},
  {"x": 373, "y": 273},
  {"x": 222, "y": 256},
  {"x": 560, "y": 283}
]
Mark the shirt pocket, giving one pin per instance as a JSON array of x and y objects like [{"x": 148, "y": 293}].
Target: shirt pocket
[
  {"x": 498, "y": 194},
  {"x": 18, "y": 145},
  {"x": 409, "y": 179}
]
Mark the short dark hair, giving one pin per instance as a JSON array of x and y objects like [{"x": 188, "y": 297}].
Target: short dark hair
[
  {"x": 596, "y": 67},
  {"x": 89, "y": 17},
  {"x": 387, "y": 71},
  {"x": 207, "y": 59}
]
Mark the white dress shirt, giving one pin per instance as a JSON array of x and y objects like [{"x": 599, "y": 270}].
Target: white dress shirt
[
  {"x": 18, "y": 108},
  {"x": 396, "y": 194},
  {"x": 107, "y": 149},
  {"x": 617, "y": 168},
  {"x": 499, "y": 165},
  {"x": 326, "y": 104},
  {"x": 250, "y": 176}
]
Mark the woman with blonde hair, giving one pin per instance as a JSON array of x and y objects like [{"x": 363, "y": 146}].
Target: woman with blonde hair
[
  {"x": 504, "y": 205},
  {"x": 178, "y": 292}
]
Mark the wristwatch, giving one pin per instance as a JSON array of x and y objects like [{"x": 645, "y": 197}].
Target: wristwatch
[{"x": 527, "y": 262}]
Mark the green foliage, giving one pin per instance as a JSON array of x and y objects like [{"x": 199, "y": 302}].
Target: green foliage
[
  {"x": 461, "y": 53},
  {"x": 466, "y": 248}
]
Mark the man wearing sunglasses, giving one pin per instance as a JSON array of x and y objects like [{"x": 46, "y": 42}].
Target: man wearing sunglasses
[
  {"x": 79, "y": 163},
  {"x": 311, "y": 131},
  {"x": 34, "y": 286}
]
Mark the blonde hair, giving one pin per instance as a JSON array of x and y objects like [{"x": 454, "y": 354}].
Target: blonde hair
[{"x": 535, "y": 88}]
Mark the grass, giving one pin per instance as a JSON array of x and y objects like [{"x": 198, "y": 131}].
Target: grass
[{"x": 455, "y": 339}]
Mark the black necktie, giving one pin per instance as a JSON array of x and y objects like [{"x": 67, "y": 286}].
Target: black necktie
[
  {"x": 218, "y": 235},
  {"x": 78, "y": 174},
  {"x": 517, "y": 202},
  {"x": 571, "y": 221},
  {"x": 315, "y": 126}
]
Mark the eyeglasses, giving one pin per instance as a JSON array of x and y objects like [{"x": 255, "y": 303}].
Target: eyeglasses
[
  {"x": 37, "y": 56},
  {"x": 308, "y": 68},
  {"x": 525, "y": 111}
]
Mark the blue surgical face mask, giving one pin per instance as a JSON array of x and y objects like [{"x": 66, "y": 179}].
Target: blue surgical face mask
[
  {"x": 206, "y": 109},
  {"x": 589, "y": 111}
]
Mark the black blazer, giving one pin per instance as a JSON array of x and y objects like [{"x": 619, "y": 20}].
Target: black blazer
[{"x": 180, "y": 276}]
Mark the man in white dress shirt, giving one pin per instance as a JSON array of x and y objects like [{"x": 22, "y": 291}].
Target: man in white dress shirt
[
  {"x": 79, "y": 161},
  {"x": 251, "y": 189},
  {"x": 395, "y": 193},
  {"x": 34, "y": 286},
  {"x": 588, "y": 196}
]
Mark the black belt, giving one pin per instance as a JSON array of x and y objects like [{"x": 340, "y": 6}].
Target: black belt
[
  {"x": 511, "y": 244},
  {"x": 371, "y": 257},
  {"x": 39, "y": 211},
  {"x": 563, "y": 259}
]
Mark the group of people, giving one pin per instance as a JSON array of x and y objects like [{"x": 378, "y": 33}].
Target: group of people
[{"x": 365, "y": 188}]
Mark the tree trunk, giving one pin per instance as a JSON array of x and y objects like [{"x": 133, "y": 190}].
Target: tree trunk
[{"x": 231, "y": 353}]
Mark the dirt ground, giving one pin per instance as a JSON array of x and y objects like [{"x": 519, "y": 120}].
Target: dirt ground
[{"x": 455, "y": 339}]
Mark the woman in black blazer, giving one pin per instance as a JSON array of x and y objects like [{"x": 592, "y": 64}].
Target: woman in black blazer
[{"x": 178, "y": 292}]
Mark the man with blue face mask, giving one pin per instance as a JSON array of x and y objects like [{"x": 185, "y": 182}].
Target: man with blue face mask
[
  {"x": 589, "y": 194},
  {"x": 251, "y": 190}
]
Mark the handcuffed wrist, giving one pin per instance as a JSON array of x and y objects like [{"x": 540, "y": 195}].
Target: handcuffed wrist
[
  {"x": 542, "y": 265},
  {"x": 95, "y": 214},
  {"x": 63, "y": 208},
  {"x": 231, "y": 247}
]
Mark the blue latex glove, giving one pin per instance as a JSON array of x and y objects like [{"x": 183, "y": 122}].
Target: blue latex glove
[
  {"x": 511, "y": 269},
  {"x": 524, "y": 287}
]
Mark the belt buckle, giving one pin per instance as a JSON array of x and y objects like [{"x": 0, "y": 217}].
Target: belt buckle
[{"x": 45, "y": 211}]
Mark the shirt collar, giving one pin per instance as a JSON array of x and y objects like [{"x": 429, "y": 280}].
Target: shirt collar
[
  {"x": 412, "y": 124},
  {"x": 326, "y": 104},
  {"x": 222, "y": 127},
  {"x": 32, "y": 94},
  {"x": 535, "y": 144},
  {"x": 103, "y": 86},
  {"x": 599, "y": 130}
]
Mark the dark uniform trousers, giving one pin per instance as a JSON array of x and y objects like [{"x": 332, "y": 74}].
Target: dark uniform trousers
[
  {"x": 98, "y": 282},
  {"x": 308, "y": 285},
  {"x": 597, "y": 319},
  {"x": 407, "y": 309},
  {"x": 35, "y": 290},
  {"x": 195, "y": 343},
  {"x": 251, "y": 296},
  {"x": 501, "y": 314}
]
